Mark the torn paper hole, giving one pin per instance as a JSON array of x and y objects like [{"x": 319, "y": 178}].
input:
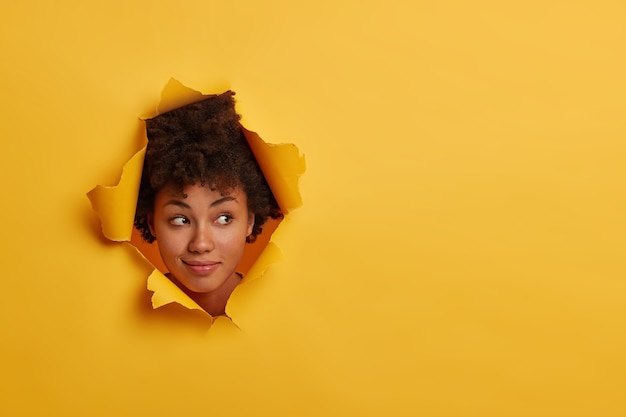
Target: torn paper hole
[{"x": 281, "y": 166}]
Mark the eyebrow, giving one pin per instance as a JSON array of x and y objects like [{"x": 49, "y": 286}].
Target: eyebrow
[{"x": 182, "y": 204}]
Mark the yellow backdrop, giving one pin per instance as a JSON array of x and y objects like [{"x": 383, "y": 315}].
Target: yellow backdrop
[{"x": 459, "y": 250}]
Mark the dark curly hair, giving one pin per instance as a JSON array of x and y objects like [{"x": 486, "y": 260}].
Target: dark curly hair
[{"x": 202, "y": 143}]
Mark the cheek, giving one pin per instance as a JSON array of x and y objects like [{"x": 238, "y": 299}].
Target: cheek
[
  {"x": 229, "y": 242},
  {"x": 234, "y": 242},
  {"x": 170, "y": 244}
]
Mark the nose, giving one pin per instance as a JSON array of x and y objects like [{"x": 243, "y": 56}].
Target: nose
[{"x": 201, "y": 240}]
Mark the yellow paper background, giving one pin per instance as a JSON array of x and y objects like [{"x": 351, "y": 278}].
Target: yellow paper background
[{"x": 460, "y": 250}]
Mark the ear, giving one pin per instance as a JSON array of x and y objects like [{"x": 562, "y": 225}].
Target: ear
[
  {"x": 151, "y": 223},
  {"x": 250, "y": 223}
]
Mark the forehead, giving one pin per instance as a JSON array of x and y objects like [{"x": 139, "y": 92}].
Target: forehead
[{"x": 199, "y": 191}]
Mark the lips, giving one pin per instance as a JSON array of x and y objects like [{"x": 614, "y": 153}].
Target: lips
[{"x": 201, "y": 267}]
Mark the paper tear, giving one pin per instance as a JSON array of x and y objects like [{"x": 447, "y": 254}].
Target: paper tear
[
  {"x": 238, "y": 304},
  {"x": 175, "y": 95},
  {"x": 115, "y": 205},
  {"x": 166, "y": 292},
  {"x": 270, "y": 255},
  {"x": 281, "y": 164}
]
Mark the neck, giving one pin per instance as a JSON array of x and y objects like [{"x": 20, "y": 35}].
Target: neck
[{"x": 213, "y": 302}]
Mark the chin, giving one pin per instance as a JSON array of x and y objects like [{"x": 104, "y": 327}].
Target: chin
[
  {"x": 204, "y": 285},
  {"x": 203, "y": 288}
]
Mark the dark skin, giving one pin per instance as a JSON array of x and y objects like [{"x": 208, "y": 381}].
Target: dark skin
[
  {"x": 201, "y": 144},
  {"x": 202, "y": 234}
]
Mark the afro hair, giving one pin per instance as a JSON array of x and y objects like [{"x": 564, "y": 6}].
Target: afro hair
[{"x": 202, "y": 143}]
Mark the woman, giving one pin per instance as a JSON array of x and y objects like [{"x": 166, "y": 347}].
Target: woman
[{"x": 202, "y": 197}]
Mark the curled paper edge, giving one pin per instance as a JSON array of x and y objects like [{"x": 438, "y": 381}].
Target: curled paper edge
[
  {"x": 281, "y": 164},
  {"x": 115, "y": 205}
]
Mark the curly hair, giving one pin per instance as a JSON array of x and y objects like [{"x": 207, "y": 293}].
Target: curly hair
[{"x": 202, "y": 143}]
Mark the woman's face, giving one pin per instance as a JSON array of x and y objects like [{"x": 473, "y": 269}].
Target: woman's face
[{"x": 201, "y": 234}]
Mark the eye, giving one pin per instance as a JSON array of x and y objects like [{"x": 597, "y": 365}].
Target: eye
[
  {"x": 224, "y": 219},
  {"x": 179, "y": 221}
]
